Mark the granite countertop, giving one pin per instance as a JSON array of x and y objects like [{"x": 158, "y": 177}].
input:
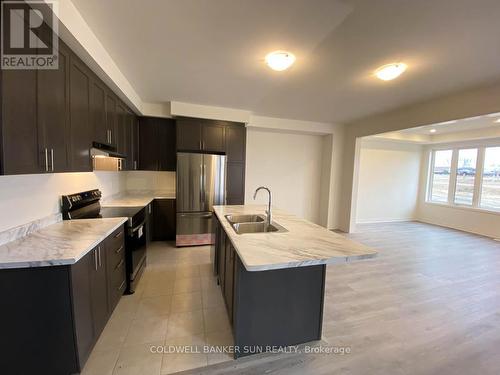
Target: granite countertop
[
  {"x": 304, "y": 244},
  {"x": 61, "y": 243},
  {"x": 136, "y": 198}
]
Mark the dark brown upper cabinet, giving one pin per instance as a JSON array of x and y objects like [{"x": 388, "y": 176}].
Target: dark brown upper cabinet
[
  {"x": 188, "y": 134},
  {"x": 49, "y": 119},
  {"x": 111, "y": 118},
  {"x": 53, "y": 111},
  {"x": 157, "y": 144},
  {"x": 121, "y": 135},
  {"x": 235, "y": 139},
  {"x": 212, "y": 137},
  {"x": 148, "y": 144},
  {"x": 81, "y": 132},
  {"x": 98, "y": 112},
  {"x": 20, "y": 150},
  {"x": 35, "y": 106},
  {"x": 200, "y": 135}
]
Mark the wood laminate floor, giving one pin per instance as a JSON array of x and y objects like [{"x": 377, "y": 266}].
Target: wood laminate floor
[{"x": 428, "y": 304}]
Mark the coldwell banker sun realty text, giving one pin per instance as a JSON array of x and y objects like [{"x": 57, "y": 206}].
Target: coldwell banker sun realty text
[{"x": 29, "y": 35}]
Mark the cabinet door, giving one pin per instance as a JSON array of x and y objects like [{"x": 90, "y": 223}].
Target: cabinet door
[
  {"x": 229, "y": 279},
  {"x": 235, "y": 183},
  {"x": 53, "y": 112},
  {"x": 21, "y": 152},
  {"x": 98, "y": 112},
  {"x": 135, "y": 142},
  {"x": 80, "y": 116},
  {"x": 148, "y": 144},
  {"x": 188, "y": 134},
  {"x": 115, "y": 263},
  {"x": 221, "y": 259},
  {"x": 164, "y": 219},
  {"x": 235, "y": 139},
  {"x": 121, "y": 127},
  {"x": 99, "y": 290},
  {"x": 212, "y": 139},
  {"x": 111, "y": 117},
  {"x": 167, "y": 151},
  {"x": 82, "y": 306}
]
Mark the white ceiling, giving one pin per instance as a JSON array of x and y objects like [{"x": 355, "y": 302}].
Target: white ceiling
[
  {"x": 472, "y": 123},
  {"x": 211, "y": 51}
]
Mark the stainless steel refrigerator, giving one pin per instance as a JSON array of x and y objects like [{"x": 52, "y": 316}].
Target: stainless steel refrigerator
[{"x": 201, "y": 184}]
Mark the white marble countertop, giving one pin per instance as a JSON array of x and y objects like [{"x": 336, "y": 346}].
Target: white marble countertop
[
  {"x": 304, "y": 244},
  {"x": 136, "y": 198},
  {"x": 61, "y": 243}
]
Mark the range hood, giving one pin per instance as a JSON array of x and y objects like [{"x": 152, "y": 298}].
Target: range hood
[{"x": 105, "y": 157}]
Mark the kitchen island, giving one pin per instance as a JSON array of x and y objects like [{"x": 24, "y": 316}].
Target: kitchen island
[{"x": 274, "y": 282}]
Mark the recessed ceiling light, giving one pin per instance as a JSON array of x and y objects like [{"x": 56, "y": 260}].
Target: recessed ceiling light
[
  {"x": 432, "y": 130},
  {"x": 280, "y": 60},
  {"x": 390, "y": 71},
  {"x": 497, "y": 120}
]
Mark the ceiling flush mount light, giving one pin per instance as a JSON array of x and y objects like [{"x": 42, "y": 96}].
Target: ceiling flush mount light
[
  {"x": 390, "y": 71},
  {"x": 497, "y": 120},
  {"x": 280, "y": 60},
  {"x": 432, "y": 130}
]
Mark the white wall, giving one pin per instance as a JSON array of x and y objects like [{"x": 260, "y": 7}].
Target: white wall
[
  {"x": 388, "y": 184},
  {"x": 30, "y": 197},
  {"x": 290, "y": 165},
  {"x": 467, "y": 103}
]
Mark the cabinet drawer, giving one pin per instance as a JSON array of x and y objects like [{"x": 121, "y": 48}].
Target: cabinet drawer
[
  {"x": 115, "y": 254},
  {"x": 116, "y": 239}
]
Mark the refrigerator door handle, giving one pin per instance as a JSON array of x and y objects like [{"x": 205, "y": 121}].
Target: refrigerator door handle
[{"x": 202, "y": 187}]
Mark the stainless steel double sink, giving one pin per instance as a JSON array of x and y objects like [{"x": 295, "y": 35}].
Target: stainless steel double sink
[{"x": 253, "y": 223}]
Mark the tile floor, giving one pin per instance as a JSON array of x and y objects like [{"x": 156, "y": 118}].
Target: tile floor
[{"x": 177, "y": 303}]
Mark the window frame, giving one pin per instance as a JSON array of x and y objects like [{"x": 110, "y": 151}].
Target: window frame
[{"x": 478, "y": 178}]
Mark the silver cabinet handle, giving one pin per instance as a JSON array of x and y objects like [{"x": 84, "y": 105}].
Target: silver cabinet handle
[
  {"x": 52, "y": 158},
  {"x": 135, "y": 165},
  {"x": 95, "y": 259},
  {"x": 110, "y": 136},
  {"x": 119, "y": 264},
  {"x": 99, "y": 251},
  {"x": 46, "y": 160},
  {"x": 201, "y": 147},
  {"x": 149, "y": 208},
  {"x": 121, "y": 285},
  {"x": 119, "y": 250}
]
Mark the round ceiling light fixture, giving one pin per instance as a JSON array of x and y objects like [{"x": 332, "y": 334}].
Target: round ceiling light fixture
[
  {"x": 432, "y": 130},
  {"x": 280, "y": 60},
  {"x": 390, "y": 71}
]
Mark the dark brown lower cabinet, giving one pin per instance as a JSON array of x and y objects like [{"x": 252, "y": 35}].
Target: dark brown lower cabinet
[
  {"x": 54, "y": 315},
  {"x": 164, "y": 220},
  {"x": 277, "y": 307},
  {"x": 229, "y": 278}
]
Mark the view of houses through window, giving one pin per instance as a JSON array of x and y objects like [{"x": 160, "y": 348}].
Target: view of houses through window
[{"x": 466, "y": 177}]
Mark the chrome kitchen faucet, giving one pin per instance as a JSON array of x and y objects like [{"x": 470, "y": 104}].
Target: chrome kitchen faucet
[{"x": 269, "y": 218}]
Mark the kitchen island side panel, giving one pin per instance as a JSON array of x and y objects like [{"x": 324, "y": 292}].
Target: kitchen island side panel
[{"x": 277, "y": 307}]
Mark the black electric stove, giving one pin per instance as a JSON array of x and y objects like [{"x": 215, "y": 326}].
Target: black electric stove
[{"x": 87, "y": 205}]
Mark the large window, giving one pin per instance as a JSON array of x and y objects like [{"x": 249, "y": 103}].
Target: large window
[
  {"x": 441, "y": 175},
  {"x": 468, "y": 176},
  {"x": 490, "y": 189}
]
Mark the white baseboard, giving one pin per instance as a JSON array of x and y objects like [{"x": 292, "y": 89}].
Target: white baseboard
[{"x": 379, "y": 221}]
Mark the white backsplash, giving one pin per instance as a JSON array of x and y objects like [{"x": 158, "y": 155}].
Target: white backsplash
[{"x": 148, "y": 180}]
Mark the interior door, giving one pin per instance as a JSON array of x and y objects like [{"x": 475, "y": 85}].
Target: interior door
[
  {"x": 214, "y": 180},
  {"x": 189, "y": 182}
]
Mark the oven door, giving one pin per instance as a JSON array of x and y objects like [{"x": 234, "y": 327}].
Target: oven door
[{"x": 136, "y": 254}]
